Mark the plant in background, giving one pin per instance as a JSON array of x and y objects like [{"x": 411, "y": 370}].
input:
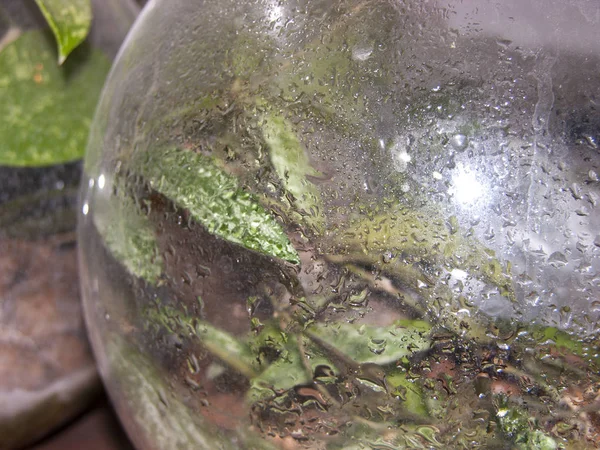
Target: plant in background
[
  {"x": 47, "y": 101},
  {"x": 54, "y": 57}
]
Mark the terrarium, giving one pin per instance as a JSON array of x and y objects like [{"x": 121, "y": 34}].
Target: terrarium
[{"x": 348, "y": 224}]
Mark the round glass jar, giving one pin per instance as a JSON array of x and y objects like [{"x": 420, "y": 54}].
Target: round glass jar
[{"x": 348, "y": 224}]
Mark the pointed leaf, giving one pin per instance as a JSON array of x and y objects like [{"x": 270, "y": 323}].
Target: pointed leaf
[
  {"x": 221, "y": 344},
  {"x": 213, "y": 198},
  {"x": 292, "y": 166},
  {"x": 70, "y": 22},
  {"x": 371, "y": 344},
  {"x": 288, "y": 370}
]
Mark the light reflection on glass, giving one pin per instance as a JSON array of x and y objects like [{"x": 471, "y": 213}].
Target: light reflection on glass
[
  {"x": 466, "y": 187},
  {"x": 275, "y": 12}
]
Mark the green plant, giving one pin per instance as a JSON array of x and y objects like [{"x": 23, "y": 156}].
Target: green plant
[{"x": 46, "y": 100}]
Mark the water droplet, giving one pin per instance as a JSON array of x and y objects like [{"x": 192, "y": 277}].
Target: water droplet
[
  {"x": 387, "y": 257},
  {"x": 377, "y": 346},
  {"x": 429, "y": 434},
  {"x": 489, "y": 234},
  {"x": 575, "y": 191},
  {"x": 362, "y": 52},
  {"x": 358, "y": 299},
  {"x": 193, "y": 364},
  {"x": 192, "y": 383},
  {"x": 400, "y": 392},
  {"x": 557, "y": 259},
  {"x": 591, "y": 141},
  {"x": 459, "y": 142},
  {"x": 401, "y": 158},
  {"x": 162, "y": 397},
  {"x": 453, "y": 225}
]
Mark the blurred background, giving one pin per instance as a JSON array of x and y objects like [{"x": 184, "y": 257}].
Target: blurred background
[{"x": 50, "y": 394}]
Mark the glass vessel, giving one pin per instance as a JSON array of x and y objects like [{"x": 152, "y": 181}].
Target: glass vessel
[{"x": 348, "y": 224}]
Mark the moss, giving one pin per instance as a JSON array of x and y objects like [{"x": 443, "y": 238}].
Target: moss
[{"x": 518, "y": 426}]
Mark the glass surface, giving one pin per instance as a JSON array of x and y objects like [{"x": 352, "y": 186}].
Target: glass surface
[{"x": 349, "y": 224}]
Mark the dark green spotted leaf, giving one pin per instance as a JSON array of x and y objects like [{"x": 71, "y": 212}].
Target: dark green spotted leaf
[
  {"x": 214, "y": 199},
  {"x": 46, "y": 110},
  {"x": 70, "y": 22}
]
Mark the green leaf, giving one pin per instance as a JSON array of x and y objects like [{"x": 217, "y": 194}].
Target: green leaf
[
  {"x": 46, "y": 110},
  {"x": 371, "y": 344},
  {"x": 293, "y": 167},
  {"x": 289, "y": 369},
  {"x": 70, "y": 22},
  {"x": 564, "y": 343},
  {"x": 563, "y": 340},
  {"x": 406, "y": 244},
  {"x": 424, "y": 237},
  {"x": 226, "y": 347},
  {"x": 129, "y": 235},
  {"x": 233, "y": 352},
  {"x": 214, "y": 199},
  {"x": 292, "y": 368},
  {"x": 408, "y": 391}
]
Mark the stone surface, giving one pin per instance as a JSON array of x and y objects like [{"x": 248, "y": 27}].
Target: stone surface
[
  {"x": 47, "y": 373},
  {"x": 95, "y": 430}
]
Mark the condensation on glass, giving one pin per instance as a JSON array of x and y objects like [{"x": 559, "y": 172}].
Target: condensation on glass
[{"x": 349, "y": 224}]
